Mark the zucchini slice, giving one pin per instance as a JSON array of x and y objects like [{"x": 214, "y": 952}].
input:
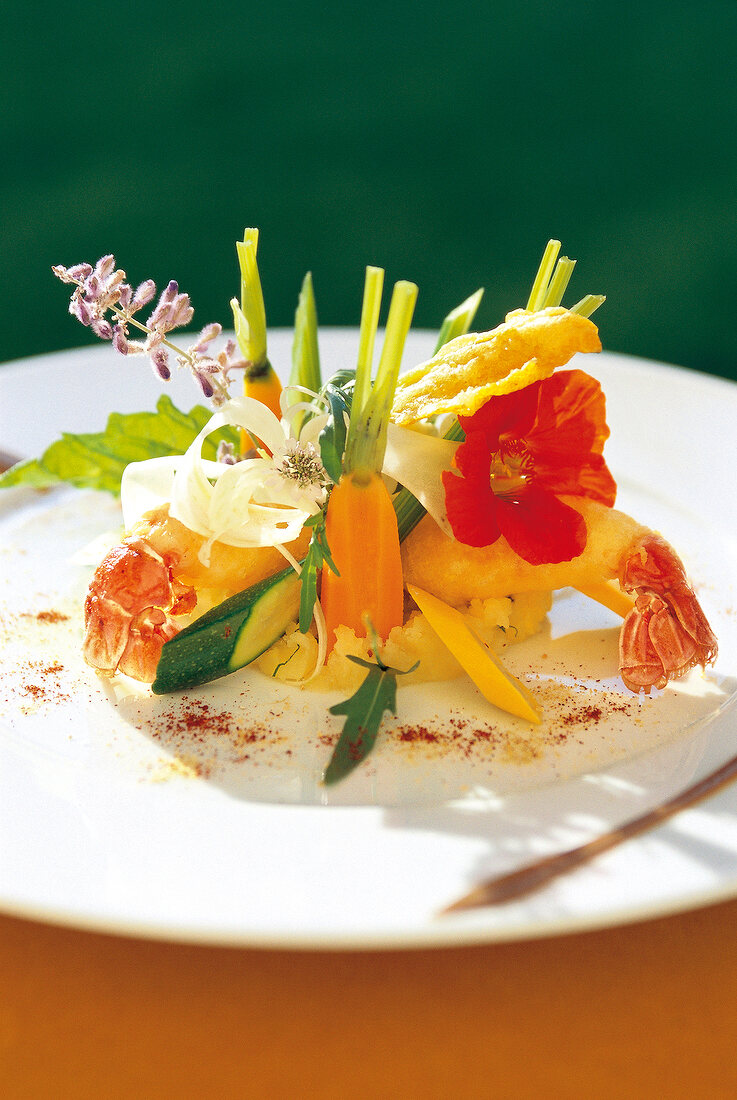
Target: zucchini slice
[{"x": 230, "y": 635}]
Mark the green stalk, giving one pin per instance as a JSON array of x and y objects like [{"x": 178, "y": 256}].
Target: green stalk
[
  {"x": 542, "y": 279},
  {"x": 366, "y": 439},
  {"x": 305, "y": 351},
  {"x": 249, "y": 317},
  {"x": 559, "y": 282},
  {"x": 588, "y": 304},
  {"x": 459, "y": 320},
  {"x": 372, "y": 291}
]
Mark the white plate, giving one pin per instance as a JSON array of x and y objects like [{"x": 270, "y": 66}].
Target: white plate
[{"x": 204, "y": 820}]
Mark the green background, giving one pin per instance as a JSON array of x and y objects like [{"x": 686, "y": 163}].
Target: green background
[{"x": 445, "y": 143}]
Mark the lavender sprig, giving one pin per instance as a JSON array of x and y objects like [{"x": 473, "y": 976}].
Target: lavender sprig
[{"x": 103, "y": 290}]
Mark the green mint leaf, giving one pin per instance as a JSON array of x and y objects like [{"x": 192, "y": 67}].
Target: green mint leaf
[{"x": 96, "y": 460}]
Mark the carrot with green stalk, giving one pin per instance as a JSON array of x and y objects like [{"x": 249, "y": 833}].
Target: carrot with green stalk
[
  {"x": 361, "y": 524},
  {"x": 260, "y": 380}
]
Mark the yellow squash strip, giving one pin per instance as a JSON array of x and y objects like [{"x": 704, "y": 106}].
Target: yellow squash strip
[
  {"x": 490, "y": 677},
  {"x": 609, "y": 596}
]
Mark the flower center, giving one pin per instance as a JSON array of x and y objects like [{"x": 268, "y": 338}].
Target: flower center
[
  {"x": 300, "y": 462},
  {"x": 510, "y": 470}
]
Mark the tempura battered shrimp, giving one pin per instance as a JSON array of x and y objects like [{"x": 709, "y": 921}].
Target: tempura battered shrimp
[
  {"x": 665, "y": 632},
  {"x": 155, "y": 582}
]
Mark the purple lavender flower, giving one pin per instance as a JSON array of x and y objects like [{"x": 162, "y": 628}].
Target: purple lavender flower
[
  {"x": 172, "y": 310},
  {"x": 120, "y": 338},
  {"x": 160, "y": 362},
  {"x": 208, "y": 334},
  {"x": 144, "y": 294},
  {"x": 204, "y": 382},
  {"x": 226, "y": 454},
  {"x": 103, "y": 289},
  {"x": 102, "y": 328}
]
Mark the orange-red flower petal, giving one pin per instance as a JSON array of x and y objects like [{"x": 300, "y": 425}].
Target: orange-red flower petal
[{"x": 554, "y": 430}]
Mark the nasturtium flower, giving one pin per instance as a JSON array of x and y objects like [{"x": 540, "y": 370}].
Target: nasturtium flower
[{"x": 524, "y": 451}]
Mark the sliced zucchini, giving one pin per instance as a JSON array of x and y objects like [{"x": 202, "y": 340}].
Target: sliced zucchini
[{"x": 230, "y": 635}]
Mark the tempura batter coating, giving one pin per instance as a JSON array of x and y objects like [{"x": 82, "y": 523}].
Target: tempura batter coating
[
  {"x": 469, "y": 370},
  {"x": 457, "y": 573},
  {"x": 665, "y": 632}
]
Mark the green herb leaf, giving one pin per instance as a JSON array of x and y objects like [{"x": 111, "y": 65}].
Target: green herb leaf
[
  {"x": 331, "y": 439},
  {"x": 364, "y": 713},
  {"x": 96, "y": 460},
  {"x": 318, "y": 552}
]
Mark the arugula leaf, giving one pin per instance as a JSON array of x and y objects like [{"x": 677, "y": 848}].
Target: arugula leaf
[
  {"x": 96, "y": 460},
  {"x": 364, "y": 713}
]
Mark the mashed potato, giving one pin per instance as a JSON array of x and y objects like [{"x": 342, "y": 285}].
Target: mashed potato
[{"x": 500, "y": 622}]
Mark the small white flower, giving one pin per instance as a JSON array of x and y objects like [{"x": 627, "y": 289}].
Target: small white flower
[
  {"x": 261, "y": 501},
  {"x": 300, "y": 466}
]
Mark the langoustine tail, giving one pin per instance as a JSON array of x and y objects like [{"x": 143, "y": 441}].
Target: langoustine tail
[
  {"x": 129, "y": 609},
  {"x": 666, "y": 633}
]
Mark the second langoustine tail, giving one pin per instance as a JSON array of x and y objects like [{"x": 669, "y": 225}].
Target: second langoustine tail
[{"x": 666, "y": 633}]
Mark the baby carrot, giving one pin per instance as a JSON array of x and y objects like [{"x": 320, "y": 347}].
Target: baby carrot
[
  {"x": 361, "y": 524},
  {"x": 260, "y": 380},
  {"x": 361, "y": 530}
]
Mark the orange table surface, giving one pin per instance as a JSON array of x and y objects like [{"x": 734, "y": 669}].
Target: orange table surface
[{"x": 647, "y": 1009}]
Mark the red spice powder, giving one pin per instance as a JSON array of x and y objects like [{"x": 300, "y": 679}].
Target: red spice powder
[
  {"x": 42, "y": 682},
  {"x": 413, "y": 734},
  {"x": 588, "y": 716},
  {"x": 214, "y": 737}
]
